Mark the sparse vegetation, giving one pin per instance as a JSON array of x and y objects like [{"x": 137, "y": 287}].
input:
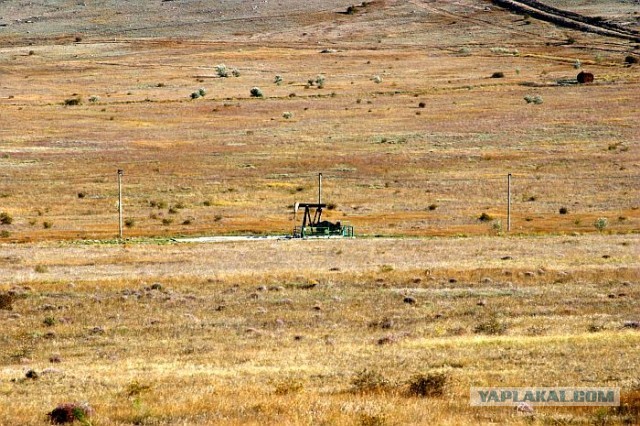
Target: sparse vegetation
[
  {"x": 505, "y": 51},
  {"x": 222, "y": 71},
  {"x": 326, "y": 331},
  {"x": 485, "y": 217},
  {"x": 533, "y": 99},
  {"x": 5, "y": 218},
  {"x": 491, "y": 326},
  {"x": 497, "y": 74},
  {"x": 73, "y": 101},
  {"x": 256, "y": 92},
  {"x": 6, "y": 301},
  {"x": 601, "y": 223},
  {"x": 428, "y": 385},
  {"x": 369, "y": 381}
]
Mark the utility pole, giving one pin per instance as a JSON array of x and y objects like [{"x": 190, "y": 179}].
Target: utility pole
[
  {"x": 509, "y": 202},
  {"x": 120, "y": 173},
  {"x": 319, "y": 188}
]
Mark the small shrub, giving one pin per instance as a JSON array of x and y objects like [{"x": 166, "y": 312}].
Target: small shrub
[
  {"x": 428, "y": 385},
  {"x": 167, "y": 221},
  {"x": 5, "y": 234},
  {"x": 386, "y": 268},
  {"x": 70, "y": 412},
  {"x": 367, "y": 381},
  {"x": 180, "y": 205},
  {"x": 577, "y": 64},
  {"x": 256, "y": 92},
  {"x": 287, "y": 387},
  {"x": 505, "y": 51},
  {"x": 73, "y": 101},
  {"x": 496, "y": 225},
  {"x": 433, "y": 207},
  {"x": 320, "y": 81},
  {"x": 6, "y": 301},
  {"x": 533, "y": 99},
  {"x": 195, "y": 95},
  {"x": 497, "y": 74},
  {"x": 485, "y": 217},
  {"x": 491, "y": 326},
  {"x": 81, "y": 195},
  {"x": 202, "y": 91},
  {"x": 563, "y": 210},
  {"x": 287, "y": 115},
  {"x": 206, "y": 203},
  {"x": 235, "y": 72},
  {"x": 47, "y": 224},
  {"x": 595, "y": 328},
  {"x": 41, "y": 269},
  {"x": 351, "y": 10},
  {"x": 173, "y": 210},
  {"x": 187, "y": 221},
  {"x": 376, "y": 79},
  {"x": 278, "y": 80},
  {"x": 601, "y": 223},
  {"x": 630, "y": 60},
  {"x": 158, "y": 203},
  {"x": 331, "y": 206},
  {"x": 422, "y": 105},
  {"x": 5, "y": 218},
  {"x": 129, "y": 223},
  {"x": 135, "y": 389},
  {"x": 222, "y": 71},
  {"x": 49, "y": 321}
]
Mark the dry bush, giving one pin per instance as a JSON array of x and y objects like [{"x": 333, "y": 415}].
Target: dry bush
[
  {"x": 70, "y": 412},
  {"x": 369, "y": 381},
  {"x": 428, "y": 385},
  {"x": 6, "y": 301}
]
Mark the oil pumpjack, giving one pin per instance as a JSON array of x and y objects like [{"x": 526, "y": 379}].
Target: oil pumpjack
[{"x": 312, "y": 223}]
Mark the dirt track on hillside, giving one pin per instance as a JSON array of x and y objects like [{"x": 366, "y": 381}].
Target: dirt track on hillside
[{"x": 568, "y": 19}]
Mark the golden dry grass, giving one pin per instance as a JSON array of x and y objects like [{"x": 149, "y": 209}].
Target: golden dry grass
[
  {"x": 153, "y": 332},
  {"x": 263, "y": 332},
  {"x": 385, "y": 159}
]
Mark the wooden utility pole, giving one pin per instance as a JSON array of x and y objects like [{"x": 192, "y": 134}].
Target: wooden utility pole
[
  {"x": 120, "y": 173},
  {"x": 509, "y": 202},
  {"x": 319, "y": 188}
]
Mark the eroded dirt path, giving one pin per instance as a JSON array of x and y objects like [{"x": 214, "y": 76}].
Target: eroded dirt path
[{"x": 568, "y": 19}]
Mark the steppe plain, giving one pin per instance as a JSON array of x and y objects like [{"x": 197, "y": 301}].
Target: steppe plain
[{"x": 417, "y": 119}]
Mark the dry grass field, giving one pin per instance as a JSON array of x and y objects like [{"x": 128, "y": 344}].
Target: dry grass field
[
  {"x": 317, "y": 332},
  {"x": 232, "y": 163},
  {"x": 414, "y": 111}
]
